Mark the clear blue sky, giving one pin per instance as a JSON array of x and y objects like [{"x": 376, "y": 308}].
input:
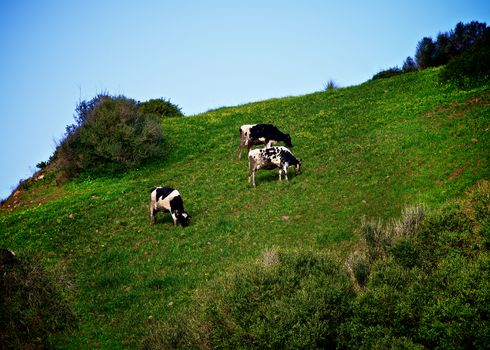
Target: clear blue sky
[{"x": 198, "y": 54}]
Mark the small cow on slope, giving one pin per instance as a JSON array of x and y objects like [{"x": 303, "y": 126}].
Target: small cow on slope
[
  {"x": 270, "y": 158},
  {"x": 256, "y": 134},
  {"x": 168, "y": 200}
]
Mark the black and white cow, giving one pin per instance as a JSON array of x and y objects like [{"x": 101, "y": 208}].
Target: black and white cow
[
  {"x": 271, "y": 158},
  {"x": 256, "y": 134},
  {"x": 168, "y": 200}
]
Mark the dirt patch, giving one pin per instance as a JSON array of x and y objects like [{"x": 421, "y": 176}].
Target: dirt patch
[
  {"x": 31, "y": 192},
  {"x": 456, "y": 173}
]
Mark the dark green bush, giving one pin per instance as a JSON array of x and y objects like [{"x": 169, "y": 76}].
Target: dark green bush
[
  {"x": 160, "y": 107},
  {"x": 405, "y": 253},
  {"x": 430, "y": 288},
  {"x": 111, "y": 134},
  {"x": 387, "y": 73},
  {"x": 31, "y": 307},
  {"x": 456, "y": 316},
  {"x": 472, "y": 68},
  {"x": 359, "y": 267},
  {"x": 42, "y": 165},
  {"x": 297, "y": 301}
]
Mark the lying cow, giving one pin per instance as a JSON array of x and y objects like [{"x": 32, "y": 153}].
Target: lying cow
[
  {"x": 270, "y": 158},
  {"x": 256, "y": 134},
  {"x": 168, "y": 200}
]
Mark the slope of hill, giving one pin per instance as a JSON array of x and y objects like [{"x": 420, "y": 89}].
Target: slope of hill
[{"x": 368, "y": 150}]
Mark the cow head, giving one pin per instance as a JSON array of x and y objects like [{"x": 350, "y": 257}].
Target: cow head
[
  {"x": 287, "y": 140},
  {"x": 298, "y": 167},
  {"x": 183, "y": 218}
]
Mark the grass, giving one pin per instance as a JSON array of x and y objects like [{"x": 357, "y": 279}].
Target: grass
[{"x": 368, "y": 150}]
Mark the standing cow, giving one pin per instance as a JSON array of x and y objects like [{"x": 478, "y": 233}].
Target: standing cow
[
  {"x": 271, "y": 158},
  {"x": 256, "y": 134},
  {"x": 168, "y": 200}
]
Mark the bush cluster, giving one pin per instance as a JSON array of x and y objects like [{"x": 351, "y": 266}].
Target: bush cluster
[
  {"x": 462, "y": 48},
  {"x": 31, "y": 307},
  {"x": 428, "y": 283},
  {"x": 472, "y": 68},
  {"x": 422, "y": 281},
  {"x": 160, "y": 107},
  {"x": 448, "y": 45},
  {"x": 111, "y": 134},
  {"x": 387, "y": 73},
  {"x": 297, "y": 301}
]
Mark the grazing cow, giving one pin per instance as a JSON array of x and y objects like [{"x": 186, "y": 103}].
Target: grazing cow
[
  {"x": 256, "y": 134},
  {"x": 168, "y": 200},
  {"x": 270, "y": 158}
]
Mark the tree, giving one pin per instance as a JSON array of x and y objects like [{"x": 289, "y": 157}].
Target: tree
[
  {"x": 465, "y": 35},
  {"x": 472, "y": 68},
  {"x": 409, "y": 65},
  {"x": 425, "y": 53},
  {"x": 448, "y": 45},
  {"x": 443, "y": 49}
]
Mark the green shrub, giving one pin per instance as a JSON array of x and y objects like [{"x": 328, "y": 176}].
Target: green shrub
[
  {"x": 31, "y": 307},
  {"x": 359, "y": 268},
  {"x": 405, "y": 253},
  {"x": 430, "y": 286},
  {"x": 446, "y": 230},
  {"x": 377, "y": 237},
  {"x": 42, "y": 165},
  {"x": 457, "y": 315},
  {"x": 297, "y": 301},
  {"x": 387, "y": 73},
  {"x": 330, "y": 85},
  {"x": 111, "y": 135},
  {"x": 160, "y": 107},
  {"x": 389, "y": 307}
]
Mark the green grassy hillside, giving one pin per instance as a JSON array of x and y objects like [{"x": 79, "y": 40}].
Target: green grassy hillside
[{"x": 368, "y": 150}]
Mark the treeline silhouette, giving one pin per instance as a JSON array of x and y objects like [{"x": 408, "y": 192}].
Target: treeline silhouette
[{"x": 446, "y": 47}]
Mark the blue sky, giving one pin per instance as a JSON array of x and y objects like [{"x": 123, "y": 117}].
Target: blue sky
[{"x": 199, "y": 54}]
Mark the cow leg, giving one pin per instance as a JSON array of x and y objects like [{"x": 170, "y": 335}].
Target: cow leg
[
  {"x": 251, "y": 177},
  {"x": 244, "y": 142},
  {"x": 174, "y": 218},
  {"x": 251, "y": 171},
  {"x": 240, "y": 148},
  {"x": 153, "y": 216},
  {"x": 283, "y": 171}
]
